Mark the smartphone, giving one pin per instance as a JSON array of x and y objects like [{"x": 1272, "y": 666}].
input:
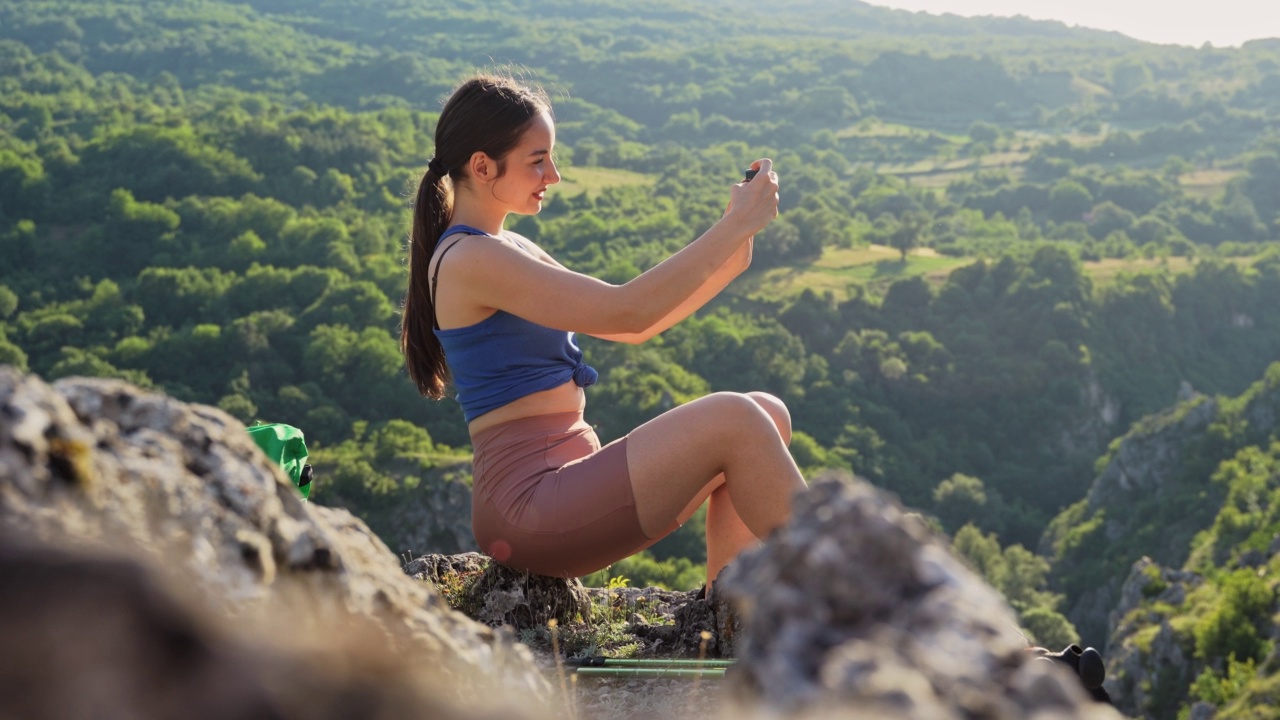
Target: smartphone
[{"x": 750, "y": 174}]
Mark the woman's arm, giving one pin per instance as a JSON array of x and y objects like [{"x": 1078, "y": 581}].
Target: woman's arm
[
  {"x": 725, "y": 274},
  {"x": 493, "y": 274},
  {"x": 732, "y": 268}
]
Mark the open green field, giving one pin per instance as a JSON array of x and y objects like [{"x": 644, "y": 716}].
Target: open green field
[
  {"x": 936, "y": 173},
  {"x": 876, "y": 128},
  {"x": 592, "y": 180},
  {"x": 1207, "y": 183},
  {"x": 840, "y": 270},
  {"x": 1105, "y": 272}
]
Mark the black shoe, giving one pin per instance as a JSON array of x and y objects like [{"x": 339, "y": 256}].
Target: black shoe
[{"x": 1087, "y": 664}]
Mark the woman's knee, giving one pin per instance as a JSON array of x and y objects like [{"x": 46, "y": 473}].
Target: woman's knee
[
  {"x": 777, "y": 411},
  {"x": 734, "y": 417}
]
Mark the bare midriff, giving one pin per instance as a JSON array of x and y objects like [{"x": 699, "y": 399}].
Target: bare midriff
[{"x": 560, "y": 399}]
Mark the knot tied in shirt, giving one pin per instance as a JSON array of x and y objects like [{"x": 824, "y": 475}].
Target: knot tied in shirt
[{"x": 585, "y": 375}]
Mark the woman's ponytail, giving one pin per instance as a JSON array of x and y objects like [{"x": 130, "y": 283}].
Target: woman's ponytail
[{"x": 432, "y": 207}]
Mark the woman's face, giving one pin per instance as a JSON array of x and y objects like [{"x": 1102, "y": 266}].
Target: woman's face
[{"x": 529, "y": 169}]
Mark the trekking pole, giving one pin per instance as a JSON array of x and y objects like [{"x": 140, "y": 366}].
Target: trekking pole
[
  {"x": 651, "y": 672},
  {"x": 650, "y": 668},
  {"x": 608, "y": 662}
]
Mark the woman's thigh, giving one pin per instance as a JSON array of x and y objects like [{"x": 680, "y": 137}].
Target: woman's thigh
[
  {"x": 677, "y": 459},
  {"x": 576, "y": 514},
  {"x": 781, "y": 417}
]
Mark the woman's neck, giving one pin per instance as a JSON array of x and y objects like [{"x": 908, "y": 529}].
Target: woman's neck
[{"x": 482, "y": 216}]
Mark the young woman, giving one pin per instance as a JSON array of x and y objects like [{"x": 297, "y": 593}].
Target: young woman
[{"x": 547, "y": 498}]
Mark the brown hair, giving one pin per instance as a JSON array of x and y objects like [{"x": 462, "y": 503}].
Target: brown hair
[{"x": 489, "y": 114}]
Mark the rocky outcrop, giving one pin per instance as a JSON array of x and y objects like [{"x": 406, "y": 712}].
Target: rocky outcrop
[
  {"x": 1148, "y": 660},
  {"x": 1152, "y": 496},
  {"x": 650, "y": 622},
  {"x": 434, "y": 517},
  {"x": 1094, "y": 543},
  {"x": 1150, "y": 455},
  {"x": 499, "y": 596},
  {"x": 424, "y": 507},
  {"x": 182, "y": 488},
  {"x": 855, "y": 605},
  {"x": 1089, "y": 432}
]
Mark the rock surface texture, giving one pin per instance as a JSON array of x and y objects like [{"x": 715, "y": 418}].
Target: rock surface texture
[
  {"x": 856, "y": 606},
  {"x": 95, "y": 463},
  {"x": 499, "y": 596},
  {"x": 656, "y": 623},
  {"x": 1147, "y": 657}
]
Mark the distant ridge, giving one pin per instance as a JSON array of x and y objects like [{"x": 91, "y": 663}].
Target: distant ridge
[
  {"x": 832, "y": 16},
  {"x": 709, "y": 22}
]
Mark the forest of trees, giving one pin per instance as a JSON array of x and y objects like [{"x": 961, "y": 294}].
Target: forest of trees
[{"x": 210, "y": 198}]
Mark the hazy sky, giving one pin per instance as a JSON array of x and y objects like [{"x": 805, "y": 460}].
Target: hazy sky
[{"x": 1185, "y": 22}]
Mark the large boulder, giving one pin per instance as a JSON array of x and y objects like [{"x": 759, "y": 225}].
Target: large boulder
[
  {"x": 856, "y": 607},
  {"x": 182, "y": 488},
  {"x": 86, "y": 634}
]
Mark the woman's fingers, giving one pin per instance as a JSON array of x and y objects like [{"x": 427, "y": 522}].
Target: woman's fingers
[{"x": 757, "y": 199}]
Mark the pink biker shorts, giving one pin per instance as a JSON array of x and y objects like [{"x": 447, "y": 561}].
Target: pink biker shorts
[{"x": 548, "y": 499}]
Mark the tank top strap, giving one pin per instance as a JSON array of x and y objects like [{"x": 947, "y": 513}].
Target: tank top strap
[
  {"x": 460, "y": 228},
  {"x": 435, "y": 276}
]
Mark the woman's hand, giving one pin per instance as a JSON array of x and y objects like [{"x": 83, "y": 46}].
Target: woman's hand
[{"x": 754, "y": 204}]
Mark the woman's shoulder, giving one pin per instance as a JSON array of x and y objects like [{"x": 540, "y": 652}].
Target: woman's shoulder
[
  {"x": 511, "y": 236},
  {"x": 527, "y": 246},
  {"x": 486, "y": 253}
]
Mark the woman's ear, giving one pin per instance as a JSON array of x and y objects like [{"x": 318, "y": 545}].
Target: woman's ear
[{"x": 483, "y": 168}]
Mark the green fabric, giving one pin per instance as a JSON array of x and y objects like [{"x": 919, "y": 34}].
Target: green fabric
[{"x": 285, "y": 445}]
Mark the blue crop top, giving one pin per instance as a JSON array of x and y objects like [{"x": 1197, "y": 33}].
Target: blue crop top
[{"x": 504, "y": 357}]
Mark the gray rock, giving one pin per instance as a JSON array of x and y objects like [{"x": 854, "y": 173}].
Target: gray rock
[
  {"x": 184, "y": 488},
  {"x": 672, "y": 624},
  {"x": 1151, "y": 454},
  {"x": 435, "y": 518},
  {"x": 1167, "y": 455},
  {"x": 1158, "y": 664},
  {"x": 84, "y": 634},
  {"x": 1147, "y": 463},
  {"x": 1203, "y": 711},
  {"x": 496, "y": 595},
  {"x": 856, "y": 606}
]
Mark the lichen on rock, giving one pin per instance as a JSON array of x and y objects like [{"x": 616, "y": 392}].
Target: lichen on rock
[
  {"x": 854, "y": 604},
  {"x": 182, "y": 489}
]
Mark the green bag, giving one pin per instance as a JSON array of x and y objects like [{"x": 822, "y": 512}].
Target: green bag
[{"x": 285, "y": 445}]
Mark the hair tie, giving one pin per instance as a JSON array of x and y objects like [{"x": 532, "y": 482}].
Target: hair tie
[{"x": 435, "y": 167}]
